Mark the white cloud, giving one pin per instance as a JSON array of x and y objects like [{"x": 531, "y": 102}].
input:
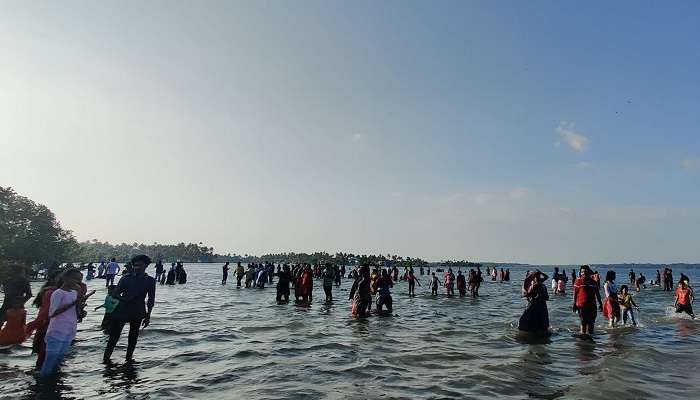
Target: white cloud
[
  {"x": 690, "y": 163},
  {"x": 575, "y": 140},
  {"x": 482, "y": 198},
  {"x": 356, "y": 137},
  {"x": 583, "y": 165},
  {"x": 519, "y": 193}
]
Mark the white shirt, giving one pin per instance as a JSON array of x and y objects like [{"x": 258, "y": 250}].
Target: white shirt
[
  {"x": 112, "y": 268},
  {"x": 610, "y": 288},
  {"x": 64, "y": 325}
]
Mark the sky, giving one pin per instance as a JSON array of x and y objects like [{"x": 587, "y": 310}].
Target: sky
[{"x": 535, "y": 132}]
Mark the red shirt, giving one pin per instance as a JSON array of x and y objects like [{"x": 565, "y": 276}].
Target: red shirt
[
  {"x": 585, "y": 295},
  {"x": 683, "y": 296}
]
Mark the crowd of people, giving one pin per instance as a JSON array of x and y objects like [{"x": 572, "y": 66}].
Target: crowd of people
[
  {"x": 61, "y": 301},
  {"x": 61, "y": 304},
  {"x": 617, "y": 306}
]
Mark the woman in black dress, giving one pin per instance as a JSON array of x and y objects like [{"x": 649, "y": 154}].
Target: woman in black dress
[{"x": 535, "y": 318}]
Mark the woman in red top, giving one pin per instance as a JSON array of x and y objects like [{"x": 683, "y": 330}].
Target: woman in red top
[
  {"x": 585, "y": 296},
  {"x": 41, "y": 322},
  {"x": 307, "y": 285}
]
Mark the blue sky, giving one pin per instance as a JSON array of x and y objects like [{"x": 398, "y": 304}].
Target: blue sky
[{"x": 543, "y": 132}]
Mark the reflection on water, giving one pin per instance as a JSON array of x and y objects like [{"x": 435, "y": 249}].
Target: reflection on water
[{"x": 218, "y": 342}]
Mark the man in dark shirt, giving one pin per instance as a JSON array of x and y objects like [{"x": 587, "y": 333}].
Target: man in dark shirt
[
  {"x": 16, "y": 289},
  {"x": 133, "y": 308}
]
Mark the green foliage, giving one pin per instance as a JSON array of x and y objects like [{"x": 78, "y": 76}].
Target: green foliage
[
  {"x": 94, "y": 251},
  {"x": 30, "y": 232},
  {"x": 463, "y": 263}
]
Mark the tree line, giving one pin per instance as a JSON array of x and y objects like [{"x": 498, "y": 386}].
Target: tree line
[{"x": 30, "y": 234}]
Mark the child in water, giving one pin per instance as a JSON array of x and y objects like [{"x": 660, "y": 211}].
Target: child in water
[
  {"x": 684, "y": 299},
  {"x": 434, "y": 285},
  {"x": 109, "y": 305},
  {"x": 626, "y": 304}
]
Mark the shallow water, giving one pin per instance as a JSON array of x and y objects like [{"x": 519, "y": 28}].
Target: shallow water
[{"x": 219, "y": 342}]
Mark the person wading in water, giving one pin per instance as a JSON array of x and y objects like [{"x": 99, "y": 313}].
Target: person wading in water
[{"x": 133, "y": 309}]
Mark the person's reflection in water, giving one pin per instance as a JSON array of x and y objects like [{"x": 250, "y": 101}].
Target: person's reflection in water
[
  {"x": 585, "y": 353},
  {"x": 360, "y": 327},
  {"x": 121, "y": 379},
  {"x": 687, "y": 328},
  {"x": 50, "y": 388},
  {"x": 537, "y": 370}
]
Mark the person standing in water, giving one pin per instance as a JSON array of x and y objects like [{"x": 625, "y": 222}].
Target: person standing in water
[
  {"x": 283, "y": 279},
  {"x": 240, "y": 273},
  {"x": 585, "y": 296},
  {"x": 224, "y": 276},
  {"x": 101, "y": 270},
  {"x": 479, "y": 279},
  {"x": 172, "y": 274},
  {"x": 411, "y": 278},
  {"x": 611, "y": 306},
  {"x": 626, "y": 304},
  {"x": 434, "y": 284},
  {"x": 160, "y": 270},
  {"x": 63, "y": 320},
  {"x": 449, "y": 282},
  {"x": 684, "y": 298},
  {"x": 306, "y": 285},
  {"x": 360, "y": 293},
  {"x": 111, "y": 271},
  {"x": 16, "y": 288},
  {"x": 328, "y": 276},
  {"x": 384, "y": 284},
  {"x": 462, "y": 283},
  {"x": 632, "y": 277},
  {"x": 133, "y": 309},
  {"x": 535, "y": 318}
]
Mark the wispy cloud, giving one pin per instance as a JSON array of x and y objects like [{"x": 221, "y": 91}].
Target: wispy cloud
[
  {"x": 356, "y": 137},
  {"x": 519, "y": 193},
  {"x": 690, "y": 163},
  {"x": 583, "y": 165},
  {"x": 575, "y": 140}
]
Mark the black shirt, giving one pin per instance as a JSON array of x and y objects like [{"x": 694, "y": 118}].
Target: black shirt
[{"x": 131, "y": 291}]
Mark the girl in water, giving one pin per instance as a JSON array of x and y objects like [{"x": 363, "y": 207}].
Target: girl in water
[
  {"x": 462, "y": 283},
  {"x": 449, "y": 282},
  {"x": 626, "y": 304},
  {"x": 411, "y": 278},
  {"x": 535, "y": 318},
  {"x": 41, "y": 323},
  {"x": 585, "y": 297},
  {"x": 611, "y": 306},
  {"x": 435, "y": 283},
  {"x": 360, "y": 293},
  {"x": 306, "y": 285},
  {"x": 109, "y": 305}
]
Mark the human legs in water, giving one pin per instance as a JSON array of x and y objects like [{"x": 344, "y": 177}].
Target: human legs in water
[{"x": 115, "y": 330}]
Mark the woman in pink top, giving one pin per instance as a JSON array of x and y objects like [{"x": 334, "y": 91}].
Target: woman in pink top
[{"x": 63, "y": 320}]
